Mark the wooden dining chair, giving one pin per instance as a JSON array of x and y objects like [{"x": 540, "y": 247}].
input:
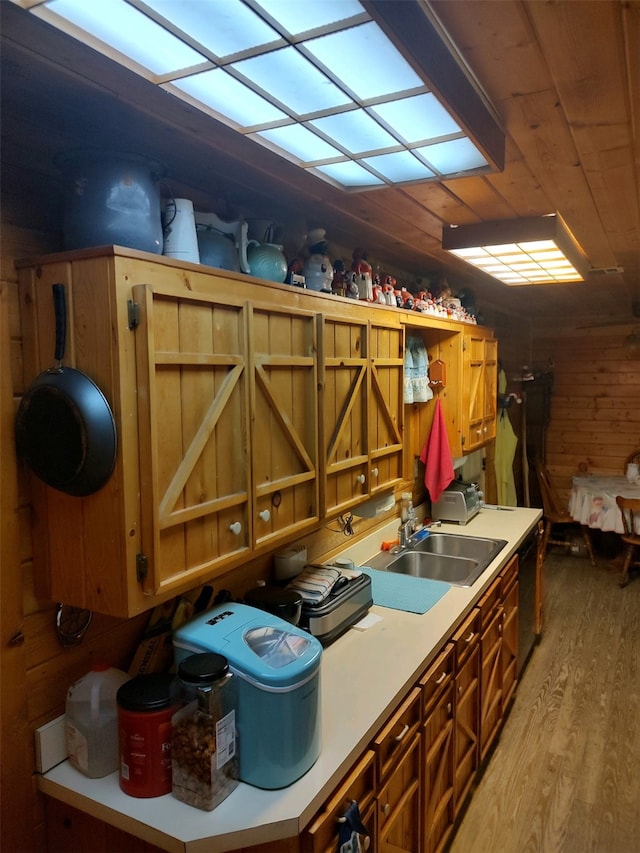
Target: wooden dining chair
[
  {"x": 630, "y": 509},
  {"x": 556, "y": 515}
]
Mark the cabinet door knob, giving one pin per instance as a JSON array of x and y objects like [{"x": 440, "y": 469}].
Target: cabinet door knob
[
  {"x": 360, "y": 479},
  {"x": 442, "y": 678},
  {"x": 236, "y": 528},
  {"x": 386, "y": 809},
  {"x": 470, "y": 637},
  {"x": 265, "y": 515},
  {"x": 375, "y": 472}
]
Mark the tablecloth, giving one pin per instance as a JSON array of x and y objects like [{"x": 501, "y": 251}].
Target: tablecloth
[{"x": 593, "y": 501}]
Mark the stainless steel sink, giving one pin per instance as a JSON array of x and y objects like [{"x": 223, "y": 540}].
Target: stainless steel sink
[
  {"x": 458, "y": 560},
  {"x": 452, "y": 545},
  {"x": 454, "y": 570}
]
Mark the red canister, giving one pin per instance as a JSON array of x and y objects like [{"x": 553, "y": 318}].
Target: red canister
[{"x": 146, "y": 704}]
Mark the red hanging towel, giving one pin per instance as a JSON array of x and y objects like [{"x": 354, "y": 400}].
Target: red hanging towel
[{"x": 436, "y": 456}]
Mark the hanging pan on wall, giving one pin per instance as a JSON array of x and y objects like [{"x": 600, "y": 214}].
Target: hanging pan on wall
[{"x": 65, "y": 430}]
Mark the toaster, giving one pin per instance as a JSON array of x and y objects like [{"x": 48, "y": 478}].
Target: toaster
[{"x": 459, "y": 502}]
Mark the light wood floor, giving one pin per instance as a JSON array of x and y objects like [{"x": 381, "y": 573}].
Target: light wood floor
[{"x": 565, "y": 775}]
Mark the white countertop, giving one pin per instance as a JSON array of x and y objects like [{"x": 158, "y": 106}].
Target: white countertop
[{"x": 364, "y": 674}]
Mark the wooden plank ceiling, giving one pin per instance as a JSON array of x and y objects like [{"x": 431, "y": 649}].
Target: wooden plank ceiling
[{"x": 564, "y": 78}]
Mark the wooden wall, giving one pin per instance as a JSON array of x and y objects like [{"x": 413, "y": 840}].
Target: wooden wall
[{"x": 595, "y": 400}]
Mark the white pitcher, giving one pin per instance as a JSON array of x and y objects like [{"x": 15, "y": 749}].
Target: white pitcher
[{"x": 180, "y": 239}]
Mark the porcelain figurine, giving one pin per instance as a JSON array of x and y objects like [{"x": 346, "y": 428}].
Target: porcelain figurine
[
  {"x": 362, "y": 268},
  {"x": 318, "y": 269}
]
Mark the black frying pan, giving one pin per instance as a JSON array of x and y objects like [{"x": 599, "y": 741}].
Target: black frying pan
[{"x": 65, "y": 429}]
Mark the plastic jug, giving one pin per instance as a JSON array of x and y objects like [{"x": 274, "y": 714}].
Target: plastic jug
[{"x": 92, "y": 721}]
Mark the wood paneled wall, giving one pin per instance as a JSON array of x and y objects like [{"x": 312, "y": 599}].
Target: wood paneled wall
[{"x": 595, "y": 400}]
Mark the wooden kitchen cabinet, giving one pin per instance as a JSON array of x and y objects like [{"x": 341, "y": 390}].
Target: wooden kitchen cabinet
[
  {"x": 437, "y": 686},
  {"x": 479, "y": 387},
  {"x": 321, "y": 836},
  {"x": 466, "y": 641},
  {"x": 509, "y": 577},
  {"x": 491, "y": 618},
  {"x": 362, "y": 376},
  {"x": 398, "y": 779},
  {"x": 214, "y": 393},
  {"x": 468, "y": 354},
  {"x": 498, "y": 614}
]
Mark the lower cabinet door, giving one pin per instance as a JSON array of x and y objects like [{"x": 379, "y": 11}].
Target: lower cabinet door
[
  {"x": 399, "y": 806},
  {"x": 467, "y": 724},
  {"x": 491, "y": 681},
  {"x": 322, "y": 834},
  {"x": 438, "y": 775}
]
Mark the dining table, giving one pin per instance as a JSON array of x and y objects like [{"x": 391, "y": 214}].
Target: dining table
[{"x": 593, "y": 501}]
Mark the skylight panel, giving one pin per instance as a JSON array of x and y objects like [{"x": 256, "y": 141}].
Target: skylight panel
[
  {"x": 224, "y": 27},
  {"x": 304, "y": 15},
  {"x": 350, "y": 174},
  {"x": 418, "y": 118},
  {"x": 223, "y": 93},
  {"x": 305, "y": 145},
  {"x": 127, "y": 30},
  {"x": 330, "y": 66},
  {"x": 366, "y": 61},
  {"x": 399, "y": 167},
  {"x": 457, "y": 155},
  {"x": 355, "y": 131},
  {"x": 292, "y": 80}
]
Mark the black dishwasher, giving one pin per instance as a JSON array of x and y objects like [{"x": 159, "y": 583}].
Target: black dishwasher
[{"x": 527, "y": 636}]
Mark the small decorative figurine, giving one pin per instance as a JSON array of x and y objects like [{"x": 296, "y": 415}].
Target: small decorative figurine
[
  {"x": 362, "y": 268},
  {"x": 318, "y": 270},
  {"x": 338, "y": 284}
]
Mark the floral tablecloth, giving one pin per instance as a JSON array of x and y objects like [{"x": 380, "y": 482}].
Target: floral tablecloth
[{"x": 593, "y": 501}]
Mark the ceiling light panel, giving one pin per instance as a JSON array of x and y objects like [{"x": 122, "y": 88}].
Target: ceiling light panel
[
  {"x": 534, "y": 250},
  {"x": 319, "y": 82},
  {"x": 224, "y": 27},
  {"x": 118, "y": 25}
]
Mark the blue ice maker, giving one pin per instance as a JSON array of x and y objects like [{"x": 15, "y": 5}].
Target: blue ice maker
[{"x": 278, "y": 680}]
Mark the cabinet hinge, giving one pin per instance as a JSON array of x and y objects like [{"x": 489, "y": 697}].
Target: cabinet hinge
[
  {"x": 141, "y": 567},
  {"x": 133, "y": 311},
  {"x": 464, "y": 345}
]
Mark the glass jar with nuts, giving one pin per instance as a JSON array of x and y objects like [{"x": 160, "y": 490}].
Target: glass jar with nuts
[{"x": 204, "y": 750}]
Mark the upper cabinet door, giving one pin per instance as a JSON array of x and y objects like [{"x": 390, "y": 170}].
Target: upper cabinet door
[
  {"x": 193, "y": 433},
  {"x": 479, "y": 388},
  {"x": 386, "y": 405},
  {"x": 284, "y": 422},
  {"x": 344, "y": 376},
  {"x": 362, "y": 365}
]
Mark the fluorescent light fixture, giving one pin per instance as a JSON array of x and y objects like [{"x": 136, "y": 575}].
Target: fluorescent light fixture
[
  {"x": 362, "y": 94},
  {"x": 534, "y": 250}
]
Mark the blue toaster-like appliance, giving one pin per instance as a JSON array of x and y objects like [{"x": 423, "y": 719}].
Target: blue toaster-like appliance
[{"x": 277, "y": 669}]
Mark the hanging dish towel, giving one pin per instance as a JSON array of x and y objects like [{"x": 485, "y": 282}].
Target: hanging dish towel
[
  {"x": 436, "y": 455},
  {"x": 416, "y": 372},
  {"x": 506, "y": 444},
  {"x": 408, "y": 374}
]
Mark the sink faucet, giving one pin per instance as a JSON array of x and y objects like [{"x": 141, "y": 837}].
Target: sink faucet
[{"x": 405, "y": 532}]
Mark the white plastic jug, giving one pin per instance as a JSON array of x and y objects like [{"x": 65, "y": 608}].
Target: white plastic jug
[{"x": 92, "y": 721}]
